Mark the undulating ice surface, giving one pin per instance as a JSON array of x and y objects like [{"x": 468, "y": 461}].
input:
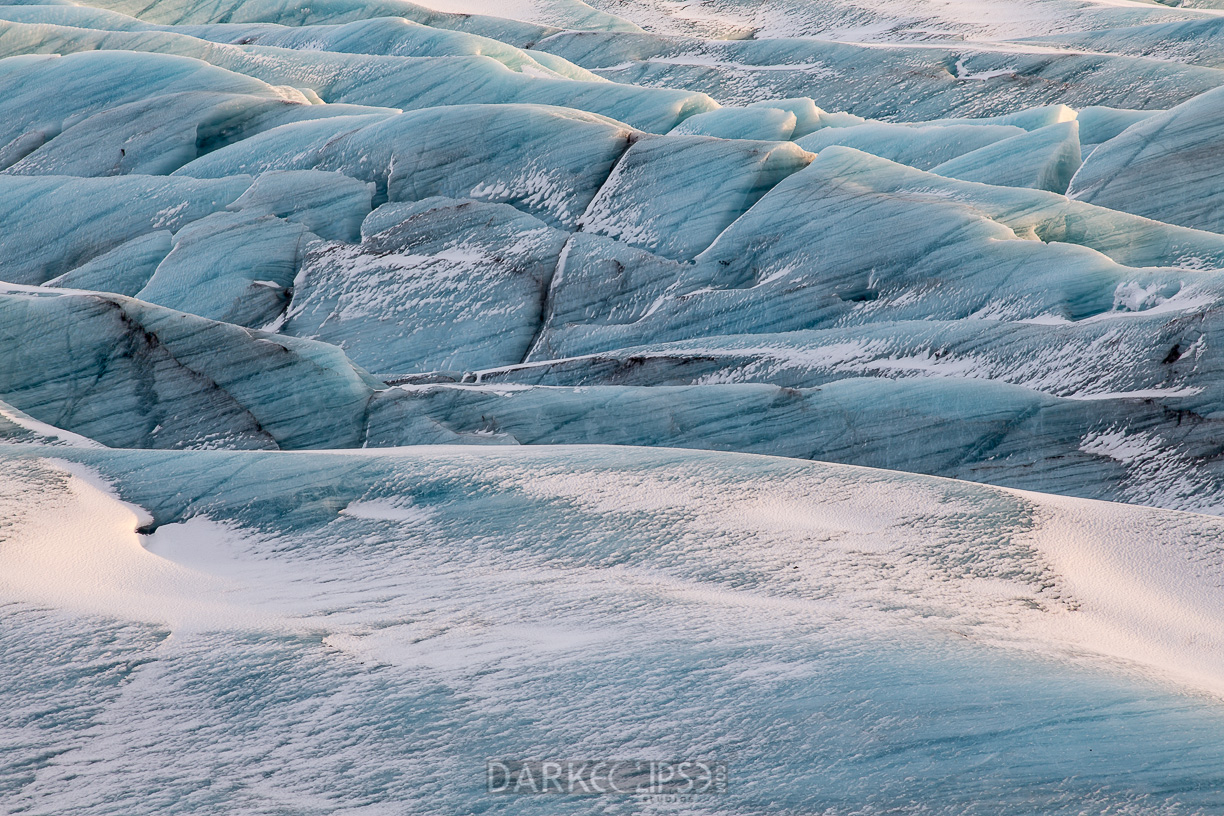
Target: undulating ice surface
[
  {"x": 357, "y": 633},
  {"x": 383, "y": 389},
  {"x": 973, "y": 236}
]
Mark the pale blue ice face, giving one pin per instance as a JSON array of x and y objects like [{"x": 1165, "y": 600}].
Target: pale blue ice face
[
  {"x": 57, "y": 223},
  {"x": 675, "y": 194},
  {"x": 452, "y": 285},
  {"x": 452, "y": 75},
  {"x": 133, "y": 374},
  {"x": 1162, "y": 166},
  {"x": 923, "y": 147}
]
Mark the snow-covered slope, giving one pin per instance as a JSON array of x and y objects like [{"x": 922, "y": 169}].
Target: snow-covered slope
[{"x": 357, "y": 633}]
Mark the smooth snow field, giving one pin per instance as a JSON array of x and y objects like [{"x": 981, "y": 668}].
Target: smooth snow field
[{"x": 827, "y": 394}]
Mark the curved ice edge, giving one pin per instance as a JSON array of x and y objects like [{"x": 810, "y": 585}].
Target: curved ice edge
[{"x": 841, "y": 547}]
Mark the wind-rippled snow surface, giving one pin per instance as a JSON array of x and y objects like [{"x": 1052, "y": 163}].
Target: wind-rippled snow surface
[{"x": 384, "y": 389}]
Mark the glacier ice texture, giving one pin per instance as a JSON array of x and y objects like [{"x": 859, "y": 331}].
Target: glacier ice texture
[{"x": 834, "y": 388}]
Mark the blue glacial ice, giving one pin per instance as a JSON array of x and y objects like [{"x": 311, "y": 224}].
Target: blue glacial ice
[
  {"x": 132, "y": 374},
  {"x": 331, "y": 205},
  {"x": 441, "y": 284},
  {"x": 233, "y": 267},
  {"x": 386, "y": 36},
  {"x": 123, "y": 270},
  {"x": 372, "y": 80},
  {"x": 918, "y": 146},
  {"x": 831, "y": 387},
  {"x": 1196, "y": 41},
  {"x": 90, "y": 83},
  {"x": 1163, "y": 166},
  {"x": 769, "y": 124},
  {"x": 548, "y": 161},
  {"x": 675, "y": 194},
  {"x": 1044, "y": 159},
  {"x": 921, "y": 82},
  {"x": 187, "y": 12},
  {"x": 158, "y": 135},
  {"x": 54, "y": 224},
  {"x": 767, "y": 271},
  {"x": 1100, "y": 124}
]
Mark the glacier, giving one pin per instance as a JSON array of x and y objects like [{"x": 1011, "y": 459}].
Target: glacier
[{"x": 828, "y": 388}]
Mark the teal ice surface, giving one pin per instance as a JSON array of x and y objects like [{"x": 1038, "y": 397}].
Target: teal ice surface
[
  {"x": 1099, "y": 124},
  {"x": 158, "y": 135},
  {"x": 808, "y": 117},
  {"x": 1044, "y": 159},
  {"x": 909, "y": 83},
  {"x": 386, "y": 36},
  {"x": 55, "y": 223},
  {"x": 769, "y": 124},
  {"x": 133, "y": 374},
  {"x": 1029, "y": 119},
  {"x": 921, "y": 147},
  {"x": 178, "y": 12},
  {"x": 391, "y": 37},
  {"x": 1001, "y": 434},
  {"x": 233, "y": 267},
  {"x": 675, "y": 194},
  {"x": 1163, "y": 166},
  {"x": 770, "y": 270},
  {"x": 548, "y": 161},
  {"x": 450, "y": 285},
  {"x": 399, "y": 82},
  {"x": 1123, "y": 353},
  {"x": 90, "y": 83},
  {"x": 331, "y": 205},
  {"x": 123, "y": 270},
  {"x": 1196, "y": 41}
]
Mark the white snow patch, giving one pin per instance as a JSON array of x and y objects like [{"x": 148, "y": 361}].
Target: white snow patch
[
  {"x": 981, "y": 76},
  {"x": 75, "y": 546},
  {"x": 399, "y": 511}
]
